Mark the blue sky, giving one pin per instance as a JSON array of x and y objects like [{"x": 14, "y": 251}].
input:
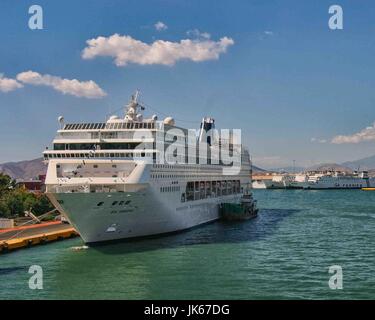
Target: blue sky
[{"x": 288, "y": 81}]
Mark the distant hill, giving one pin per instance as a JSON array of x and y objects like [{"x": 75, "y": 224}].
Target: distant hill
[
  {"x": 24, "y": 169},
  {"x": 329, "y": 166},
  {"x": 363, "y": 164},
  {"x": 288, "y": 169},
  {"x": 30, "y": 169},
  {"x": 257, "y": 169},
  {"x": 318, "y": 167}
]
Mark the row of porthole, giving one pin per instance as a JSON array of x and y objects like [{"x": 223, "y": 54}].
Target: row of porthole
[
  {"x": 196, "y": 166},
  {"x": 160, "y": 176},
  {"x": 97, "y": 166},
  {"x": 352, "y": 185},
  {"x": 97, "y": 155},
  {"x": 170, "y": 189},
  {"x": 120, "y": 203}
]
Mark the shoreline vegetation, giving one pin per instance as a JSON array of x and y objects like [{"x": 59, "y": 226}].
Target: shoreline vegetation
[{"x": 15, "y": 200}]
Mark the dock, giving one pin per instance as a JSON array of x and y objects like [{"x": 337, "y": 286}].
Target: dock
[{"x": 29, "y": 236}]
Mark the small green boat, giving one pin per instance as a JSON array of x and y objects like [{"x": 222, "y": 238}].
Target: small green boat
[{"x": 239, "y": 211}]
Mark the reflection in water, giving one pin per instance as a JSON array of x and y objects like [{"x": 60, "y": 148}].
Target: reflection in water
[
  {"x": 164, "y": 266},
  {"x": 5, "y": 271}
]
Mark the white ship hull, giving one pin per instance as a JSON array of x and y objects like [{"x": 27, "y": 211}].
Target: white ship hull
[
  {"x": 145, "y": 215},
  {"x": 148, "y": 201}
]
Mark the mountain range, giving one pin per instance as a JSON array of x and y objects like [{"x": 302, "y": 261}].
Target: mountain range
[
  {"x": 367, "y": 163},
  {"x": 24, "y": 170},
  {"x": 30, "y": 169},
  {"x": 363, "y": 164}
]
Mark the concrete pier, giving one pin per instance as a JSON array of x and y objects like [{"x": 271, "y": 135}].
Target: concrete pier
[{"x": 28, "y": 236}]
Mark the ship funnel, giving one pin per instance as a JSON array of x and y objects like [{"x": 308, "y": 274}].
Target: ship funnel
[{"x": 207, "y": 131}]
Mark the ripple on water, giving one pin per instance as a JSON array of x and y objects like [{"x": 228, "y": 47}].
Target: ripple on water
[{"x": 284, "y": 253}]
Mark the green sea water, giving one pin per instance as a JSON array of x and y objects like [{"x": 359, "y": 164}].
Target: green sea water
[{"x": 284, "y": 253}]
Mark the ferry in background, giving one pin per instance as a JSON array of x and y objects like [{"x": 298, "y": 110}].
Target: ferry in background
[
  {"x": 314, "y": 180},
  {"x": 339, "y": 180}
]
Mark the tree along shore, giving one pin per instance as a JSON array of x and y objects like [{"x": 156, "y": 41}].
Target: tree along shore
[{"x": 15, "y": 200}]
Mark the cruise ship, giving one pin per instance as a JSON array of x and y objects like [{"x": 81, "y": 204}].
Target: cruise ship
[
  {"x": 119, "y": 179},
  {"x": 338, "y": 180}
]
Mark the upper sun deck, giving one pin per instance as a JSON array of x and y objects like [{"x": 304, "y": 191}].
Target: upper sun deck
[
  {"x": 120, "y": 130},
  {"x": 118, "y": 125},
  {"x": 133, "y": 120}
]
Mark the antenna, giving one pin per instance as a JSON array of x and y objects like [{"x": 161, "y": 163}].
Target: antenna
[
  {"x": 131, "y": 110},
  {"x": 136, "y": 95}
]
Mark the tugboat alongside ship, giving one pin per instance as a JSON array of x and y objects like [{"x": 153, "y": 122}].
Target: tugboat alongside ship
[{"x": 243, "y": 211}]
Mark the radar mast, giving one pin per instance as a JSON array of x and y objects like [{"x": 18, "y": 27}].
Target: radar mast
[{"x": 133, "y": 106}]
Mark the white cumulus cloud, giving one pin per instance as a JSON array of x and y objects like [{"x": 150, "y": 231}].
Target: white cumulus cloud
[
  {"x": 86, "y": 89},
  {"x": 125, "y": 50},
  {"x": 160, "y": 26},
  {"x": 7, "y": 84},
  {"x": 367, "y": 134}
]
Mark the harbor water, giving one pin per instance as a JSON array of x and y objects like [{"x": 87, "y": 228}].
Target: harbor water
[{"x": 284, "y": 253}]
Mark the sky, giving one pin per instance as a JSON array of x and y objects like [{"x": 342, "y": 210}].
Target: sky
[{"x": 297, "y": 89}]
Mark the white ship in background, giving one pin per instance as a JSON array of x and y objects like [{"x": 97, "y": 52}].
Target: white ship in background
[
  {"x": 274, "y": 181},
  {"x": 338, "y": 180},
  {"x": 296, "y": 181},
  {"x": 280, "y": 181},
  {"x": 314, "y": 180},
  {"x": 111, "y": 189}
]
